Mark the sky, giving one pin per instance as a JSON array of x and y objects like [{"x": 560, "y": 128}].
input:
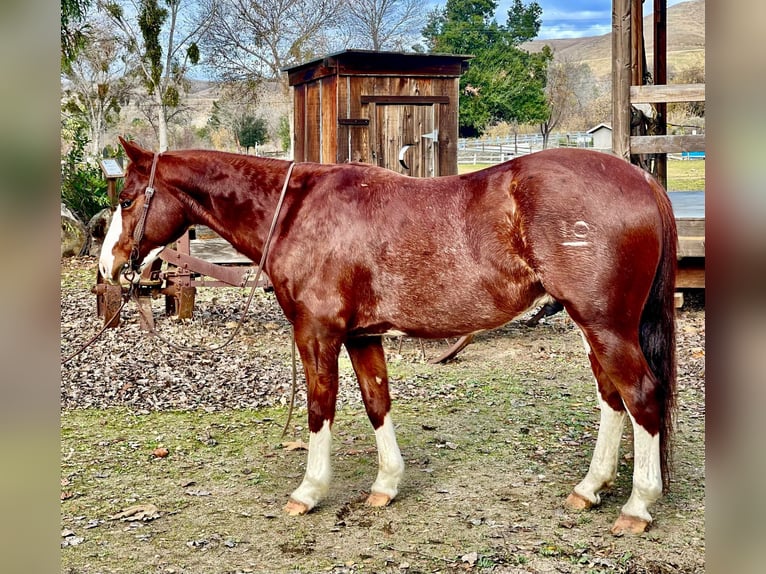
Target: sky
[{"x": 574, "y": 18}]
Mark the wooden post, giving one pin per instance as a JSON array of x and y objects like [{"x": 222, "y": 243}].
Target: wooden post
[
  {"x": 621, "y": 71},
  {"x": 179, "y": 296},
  {"x": 637, "y": 51},
  {"x": 661, "y": 78},
  {"x": 185, "y": 302},
  {"x": 111, "y": 306}
]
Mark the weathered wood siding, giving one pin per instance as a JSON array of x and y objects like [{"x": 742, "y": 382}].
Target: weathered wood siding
[{"x": 361, "y": 106}]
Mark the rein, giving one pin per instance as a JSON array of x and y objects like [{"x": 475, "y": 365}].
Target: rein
[
  {"x": 131, "y": 268},
  {"x": 264, "y": 255}
]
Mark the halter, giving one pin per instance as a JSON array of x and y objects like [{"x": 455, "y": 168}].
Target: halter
[{"x": 138, "y": 232}]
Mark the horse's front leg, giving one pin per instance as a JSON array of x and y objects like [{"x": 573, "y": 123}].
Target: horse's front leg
[
  {"x": 369, "y": 362},
  {"x": 319, "y": 356}
]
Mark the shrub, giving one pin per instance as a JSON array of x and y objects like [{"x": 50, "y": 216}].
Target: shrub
[{"x": 83, "y": 186}]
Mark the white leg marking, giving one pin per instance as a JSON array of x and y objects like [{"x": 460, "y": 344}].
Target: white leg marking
[
  {"x": 390, "y": 462},
  {"x": 603, "y": 465},
  {"x": 316, "y": 481},
  {"x": 106, "y": 258},
  {"x": 647, "y": 473}
]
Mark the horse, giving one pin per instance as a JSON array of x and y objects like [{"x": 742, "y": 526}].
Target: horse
[{"x": 357, "y": 251}]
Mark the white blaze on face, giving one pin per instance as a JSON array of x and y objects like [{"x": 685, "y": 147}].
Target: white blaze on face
[{"x": 106, "y": 260}]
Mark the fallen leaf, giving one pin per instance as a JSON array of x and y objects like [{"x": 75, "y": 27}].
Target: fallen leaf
[
  {"x": 198, "y": 492},
  {"x": 72, "y": 541},
  {"x": 295, "y": 445},
  {"x": 143, "y": 512}
]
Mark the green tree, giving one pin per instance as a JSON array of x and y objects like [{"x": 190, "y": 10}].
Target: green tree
[
  {"x": 503, "y": 82},
  {"x": 250, "y": 131},
  {"x": 83, "y": 187},
  {"x": 74, "y": 30},
  {"x": 283, "y": 132}
]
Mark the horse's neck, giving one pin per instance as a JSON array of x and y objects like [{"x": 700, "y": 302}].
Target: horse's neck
[{"x": 240, "y": 209}]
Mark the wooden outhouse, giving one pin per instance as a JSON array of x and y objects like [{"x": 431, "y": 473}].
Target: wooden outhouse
[{"x": 396, "y": 110}]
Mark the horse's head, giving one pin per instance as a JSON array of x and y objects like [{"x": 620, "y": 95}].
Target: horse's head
[{"x": 137, "y": 234}]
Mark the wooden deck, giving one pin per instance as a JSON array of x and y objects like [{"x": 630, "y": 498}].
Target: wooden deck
[{"x": 689, "y": 210}]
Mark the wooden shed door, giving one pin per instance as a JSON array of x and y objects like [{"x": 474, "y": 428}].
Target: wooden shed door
[{"x": 405, "y": 131}]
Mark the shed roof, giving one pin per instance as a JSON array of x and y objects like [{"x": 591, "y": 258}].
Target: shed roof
[
  {"x": 374, "y": 63},
  {"x": 598, "y": 127}
]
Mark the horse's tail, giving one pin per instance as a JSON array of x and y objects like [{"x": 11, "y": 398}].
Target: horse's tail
[{"x": 658, "y": 334}]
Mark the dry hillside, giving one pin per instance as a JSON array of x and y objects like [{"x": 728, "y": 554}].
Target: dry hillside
[{"x": 686, "y": 42}]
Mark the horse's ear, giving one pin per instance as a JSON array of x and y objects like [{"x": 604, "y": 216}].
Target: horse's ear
[{"x": 134, "y": 152}]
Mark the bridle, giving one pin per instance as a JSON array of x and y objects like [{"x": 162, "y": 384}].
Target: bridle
[
  {"x": 132, "y": 266},
  {"x": 138, "y": 234}
]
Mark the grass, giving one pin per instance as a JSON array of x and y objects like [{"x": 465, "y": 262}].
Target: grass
[
  {"x": 686, "y": 175},
  {"x": 683, "y": 175}
]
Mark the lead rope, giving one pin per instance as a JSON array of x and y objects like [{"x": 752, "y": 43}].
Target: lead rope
[
  {"x": 241, "y": 321},
  {"x": 101, "y": 331},
  {"x": 294, "y": 385},
  {"x": 264, "y": 254}
]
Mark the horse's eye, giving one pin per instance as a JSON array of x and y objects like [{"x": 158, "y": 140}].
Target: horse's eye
[{"x": 126, "y": 203}]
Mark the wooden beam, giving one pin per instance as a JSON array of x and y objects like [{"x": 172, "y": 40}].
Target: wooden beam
[
  {"x": 621, "y": 78},
  {"x": 637, "y": 51},
  {"x": 690, "y": 278},
  {"x": 406, "y": 100},
  {"x": 667, "y": 93},
  {"x": 660, "y": 77},
  {"x": 667, "y": 144},
  {"x": 691, "y": 246}
]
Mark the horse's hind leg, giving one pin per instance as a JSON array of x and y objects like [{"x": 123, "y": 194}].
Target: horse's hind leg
[
  {"x": 603, "y": 465},
  {"x": 623, "y": 362},
  {"x": 319, "y": 356},
  {"x": 368, "y": 360}
]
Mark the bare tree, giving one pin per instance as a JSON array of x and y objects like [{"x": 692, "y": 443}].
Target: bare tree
[
  {"x": 165, "y": 43},
  {"x": 384, "y": 24},
  {"x": 253, "y": 40},
  {"x": 566, "y": 92},
  {"x": 94, "y": 81}
]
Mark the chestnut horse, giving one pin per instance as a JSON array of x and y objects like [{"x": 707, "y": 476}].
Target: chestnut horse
[{"x": 359, "y": 251}]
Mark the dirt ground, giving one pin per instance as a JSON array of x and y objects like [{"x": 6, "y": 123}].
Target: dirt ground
[{"x": 493, "y": 443}]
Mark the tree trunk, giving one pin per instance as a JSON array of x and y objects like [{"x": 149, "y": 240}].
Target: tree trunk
[{"x": 162, "y": 122}]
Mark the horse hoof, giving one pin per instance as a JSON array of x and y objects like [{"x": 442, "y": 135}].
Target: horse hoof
[
  {"x": 378, "y": 499},
  {"x": 295, "y": 508},
  {"x": 576, "y": 502},
  {"x": 629, "y": 525}
]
